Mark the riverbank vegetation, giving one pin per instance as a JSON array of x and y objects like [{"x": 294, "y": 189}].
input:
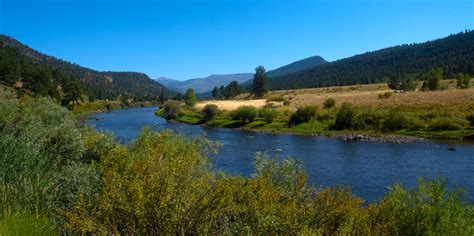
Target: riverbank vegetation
[
  {"x": 59, "y": 178},
  {"x": 444, "y": 113}
]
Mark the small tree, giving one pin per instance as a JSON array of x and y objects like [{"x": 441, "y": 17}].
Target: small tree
[
  {"x": 216, "y": 93},
  {"x": 259, "y": 86},
  {"x": 163, "y": 96},
  {"x": 171, "y": 109},
  {"x": 190, "y": 97},
  {"x": 433, "y": 80},
  {"x": 329, "y": 103},
  {"x": 209, "y": 112},
  {"x": 232, "y": 90},
  {"x": 346, "y": 116},
  {"x": 463, "y": 80},
  {"x": 303, "y": 115}
]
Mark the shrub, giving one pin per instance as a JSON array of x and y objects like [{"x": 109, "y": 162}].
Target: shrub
[
  {"x": 385, "y": 95},
  {"x": 172, "y": 108},
  {"x": 329, "y": 103},
  {"x": 345, "y": 118},
  {"x": 448, "y": 123},
  {"x": 303, "y": 115},
  {"x": 245, "y": 113},
  {"x": 396, "y": 120},
  {"x": 463, "y": 81},
  {"x": 276, "y": 99},
  {"x": 470, "y": 118},
  {"x": 268, "y": 115},
  {"x": 209, "y": 112},
  {"x": 286, "y": 103}
]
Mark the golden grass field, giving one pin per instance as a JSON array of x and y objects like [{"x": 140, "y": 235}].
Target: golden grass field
[{"x": 451, "y": 99}]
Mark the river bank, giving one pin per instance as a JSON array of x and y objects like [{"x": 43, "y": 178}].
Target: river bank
[{"x": 315, "y": 128}]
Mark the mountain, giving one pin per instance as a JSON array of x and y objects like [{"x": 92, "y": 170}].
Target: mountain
[
  {"x": 454, "y": 54},
  {"x": 203, "y": 85},
  {"x": 97, "y": 84},
  {"x": 297, "y": 66}
]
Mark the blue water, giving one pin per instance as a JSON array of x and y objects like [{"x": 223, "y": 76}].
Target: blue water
[{"x": 369, "y": 168}]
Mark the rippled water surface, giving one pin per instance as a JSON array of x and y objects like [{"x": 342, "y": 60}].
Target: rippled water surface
[{"x": 369, "y": 168}]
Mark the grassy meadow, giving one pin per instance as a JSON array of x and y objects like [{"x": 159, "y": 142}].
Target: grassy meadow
[{"x": 377, "y": 111}]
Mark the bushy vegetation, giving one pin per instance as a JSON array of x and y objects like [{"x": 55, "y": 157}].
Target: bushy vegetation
[
  {"x": 190, "y": 97},
  {"x": 209, "y": 112},
  {"x": 230, "y": 91},
  {"x": 463, "y": 81},
  {"x": 268, "y": 114},
  {"x": 302, "y": 115},
  {"x": 245, "y": 113},
  {"x": 329, "y": 103},
  {"x": 171, "y": 109},
  {"x": 58, "y": 178}
]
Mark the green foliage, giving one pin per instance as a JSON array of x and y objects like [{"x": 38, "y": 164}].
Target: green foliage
[
  {"x": 268, "y": 114},
  {"x": 329, "y": 103},
  {"x": 209, "y": 112},
  {"x": 345, "y": 118},
  {"x": 171, "y": 109},
  {"x": 190, "y": 97},
  {"x": 433, "y": 80},
  {"x": 454, "y": 51},
  {"x": 385, "y": 95},
  {"x": 396, "y": 120},
  {"x": 245, "y": 113},
  {"x": 302, "y": 115},
  {"x": 37, "y": 72},
  {"x": 402, "y": 82},
  {"x": 448, "y": 123},
  {"x": 463, "y": 81},
  {"x": 259, "y": 86}
]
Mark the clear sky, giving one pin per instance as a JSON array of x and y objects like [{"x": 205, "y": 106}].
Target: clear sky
[{"x": 187, "y": 39}]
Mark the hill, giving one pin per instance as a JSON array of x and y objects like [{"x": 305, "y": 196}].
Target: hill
[
  {"x": 303, "y": 64},
  {"x": 453, "y": 54},
  {"x": 102, "y": 85},
  {"x": 203, "y": 85}
]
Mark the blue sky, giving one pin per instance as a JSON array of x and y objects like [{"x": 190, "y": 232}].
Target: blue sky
[{"x": 188, "y": 39}]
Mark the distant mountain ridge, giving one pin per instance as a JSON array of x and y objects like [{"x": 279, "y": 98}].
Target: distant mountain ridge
[
  {"x": 297, "y": 66},
  {"x": 107, "y": 84},
  {"x": 454, "y": 54},
  {"x": 206, "y": 84}
]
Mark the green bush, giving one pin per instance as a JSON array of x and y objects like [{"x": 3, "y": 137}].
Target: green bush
[
  {"x": 345, "y": 118},
  {"x": 463, "y": 81},
  {"x": 268, "y": 115},
  {"x": 209, "y": 112},
  {"x": 329, "y": 103},
  {"x": 385, "y": 95},
  {"x": 441, "y": 123},
  {"x": 396, "y": 120},
  {"x": 303, "y": 115},
  {"x": 172, "y": 108},
  {"x": 245, "y": 113},
  {"x": 470, "y": 118}
]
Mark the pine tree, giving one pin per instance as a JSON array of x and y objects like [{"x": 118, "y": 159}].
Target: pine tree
[{"x": 259, "y": 86}]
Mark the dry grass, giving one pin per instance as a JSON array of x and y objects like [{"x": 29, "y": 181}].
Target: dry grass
[
  {"x": 232, "y": 104},
  {"x": 452, "y": 100}
]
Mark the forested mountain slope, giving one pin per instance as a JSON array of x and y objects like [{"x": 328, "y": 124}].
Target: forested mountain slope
[
  {"x": 453, "y": 54},
  {"x": 296, "y": 66},
  {"x": 22, "y": 64}
]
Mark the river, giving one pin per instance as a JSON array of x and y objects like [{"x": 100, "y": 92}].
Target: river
[{"x": 369, "y": 168}]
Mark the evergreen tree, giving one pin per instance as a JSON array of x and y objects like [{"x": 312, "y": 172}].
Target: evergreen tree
[
  {"x": 259, "y": 86},
  {"x": 222, "y": 92},
  {"x": 232, "y": 90},
  {"x": 216, "y": 93},
  {"x": 190, "y": 97}
]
